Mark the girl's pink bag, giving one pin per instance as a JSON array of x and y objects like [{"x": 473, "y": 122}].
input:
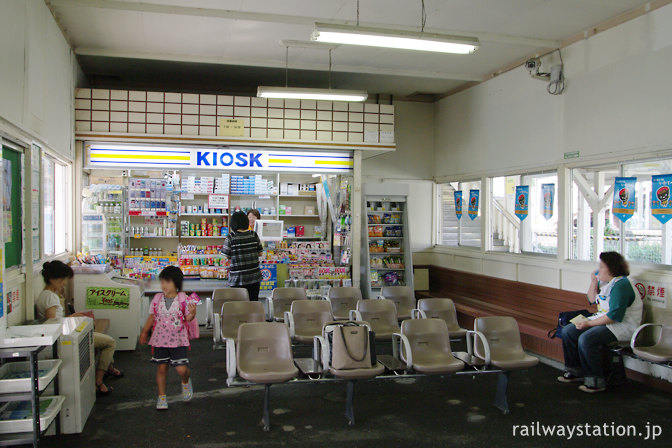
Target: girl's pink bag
[{"x": 193, "y": 332}]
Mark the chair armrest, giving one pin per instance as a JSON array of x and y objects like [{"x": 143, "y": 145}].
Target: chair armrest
[
  {"x": 270, "y": 311},
  {"x": 208, "y": 312},
  {"x": 321, "y": 346},
  {"x": 418, "y": 314},
  {"x": 230, "y": 360},
  {"x": 289, "y": 321},
  {"x": 471, "y": 347},
  {"x": 397, "y": 339},
  {"x": 355, "y": 315},
  {"x": 217, "y": 330},
  {"x": 633, "y": 339}
]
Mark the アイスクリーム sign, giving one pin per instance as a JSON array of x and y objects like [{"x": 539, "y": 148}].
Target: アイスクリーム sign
[{"x": 105, "y": 298}]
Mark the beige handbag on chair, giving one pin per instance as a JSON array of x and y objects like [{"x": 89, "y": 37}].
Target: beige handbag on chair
[{"x": 350, "y": 347}]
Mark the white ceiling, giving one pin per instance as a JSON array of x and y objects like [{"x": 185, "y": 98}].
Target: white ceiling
[{"x": 247, "y": 33}]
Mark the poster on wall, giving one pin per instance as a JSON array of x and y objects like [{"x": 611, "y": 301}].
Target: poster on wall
[
  {"x": 13, "y": 301},
  {"x": 652, "y": 293},
  {"x": 269, "y": 277},
  {"x": 105, "y": 298},
  {"x": 661, "y": 205},
  {"x": 458, "y": 204},
  {"x": 522, "y": 201},
  {"x": 624, "y": 198},
  {"x": 473, "y": 203},
  {"x": 7, "y": 200},
  {"x": 547, "y": 200}
]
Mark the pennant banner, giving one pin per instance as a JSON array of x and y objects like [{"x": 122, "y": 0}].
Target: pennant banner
[
  {"x": 458, "y": 204},
  {"x": 547, "y": 200},
  {"x": 624, "y": 198},
  {"x": 661, "y": 205},
  {"x": 473, "y": 203},
  {"x": 522, "y": 201}
]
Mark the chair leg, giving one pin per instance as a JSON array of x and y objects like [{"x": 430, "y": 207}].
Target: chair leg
[
  {"x": 349, "y": 408},
  {"x": 501, "y": 401},
  {"x": 265, "y": 418}
]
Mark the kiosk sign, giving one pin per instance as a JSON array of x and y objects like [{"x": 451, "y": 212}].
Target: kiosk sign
[{"x": 118, "y": 155}]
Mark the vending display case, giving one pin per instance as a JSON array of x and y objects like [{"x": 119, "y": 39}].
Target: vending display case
[{"x": 386, "y": 254}]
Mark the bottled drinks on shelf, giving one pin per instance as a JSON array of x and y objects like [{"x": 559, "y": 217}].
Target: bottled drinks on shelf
[{"x": 207, "y": 227}]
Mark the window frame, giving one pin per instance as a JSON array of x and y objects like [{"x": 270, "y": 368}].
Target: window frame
[
  {"x": 68, "y": 209},
  {"x": 619, "y": 164},
  {"x": 439, "y": 215}
]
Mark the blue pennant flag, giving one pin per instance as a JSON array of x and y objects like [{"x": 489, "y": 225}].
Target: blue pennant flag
[
  {"x": 661, "y": 205},
  {"x": 473, "y": 203},
  {"x": 547, "y": 200},
  {"x": 624, "y": 198},
  {"x": 458, "y": 204},
  {"x": 522, "y": 201}
]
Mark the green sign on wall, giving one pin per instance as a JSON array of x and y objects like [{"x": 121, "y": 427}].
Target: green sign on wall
[{"x": 104, "y": 298}]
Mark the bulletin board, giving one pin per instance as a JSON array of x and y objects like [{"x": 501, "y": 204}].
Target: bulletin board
[{"x": 11, "y": 206}]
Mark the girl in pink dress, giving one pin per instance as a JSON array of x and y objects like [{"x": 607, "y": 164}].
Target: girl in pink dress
[{"x": 169, "y": 313}]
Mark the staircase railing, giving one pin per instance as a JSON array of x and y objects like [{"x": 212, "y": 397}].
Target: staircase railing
[{"x": 506, "y": 225}]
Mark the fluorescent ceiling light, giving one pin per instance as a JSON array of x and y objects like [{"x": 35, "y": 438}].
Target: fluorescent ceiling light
[
  {"x": 298, "y": 93},
  {"x": 405, "y": 40}
]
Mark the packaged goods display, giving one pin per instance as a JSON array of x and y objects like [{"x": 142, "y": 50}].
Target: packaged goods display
[
  {"x": 206, "y": 227},
  {"x": 252, "y": 185}
]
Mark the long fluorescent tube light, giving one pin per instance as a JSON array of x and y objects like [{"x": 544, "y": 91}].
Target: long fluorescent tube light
[
  {"x": 298, "y": 93},
  {"x": 405, "y": 40}
]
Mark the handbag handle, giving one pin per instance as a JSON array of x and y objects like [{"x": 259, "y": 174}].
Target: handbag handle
[{"x": 347, "y": 349}]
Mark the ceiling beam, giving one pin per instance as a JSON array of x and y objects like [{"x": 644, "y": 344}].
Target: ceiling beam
[
  {"x": 275, "y": 64},
  {"x": 283, "y": 18}
]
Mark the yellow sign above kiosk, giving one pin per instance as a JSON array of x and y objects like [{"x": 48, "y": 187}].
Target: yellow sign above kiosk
[{"x": 111, "y": 155}]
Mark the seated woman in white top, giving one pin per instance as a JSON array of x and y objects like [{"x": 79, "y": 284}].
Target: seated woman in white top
[
  {"x": 50, "y": 309},
  {"x": 619, "y": 313}
]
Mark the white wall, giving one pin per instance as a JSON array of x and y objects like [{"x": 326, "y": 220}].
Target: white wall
[
  {"x": 37, "y": 78},
  {"x": 411, "y": 163},
  {"x": 36, "y": 75},
  {"x": 617, "y": 101},
  {"x": 616, "y": 106}
]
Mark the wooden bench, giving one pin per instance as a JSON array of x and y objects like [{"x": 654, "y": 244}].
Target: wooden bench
[{"x": 535, "y": 307}]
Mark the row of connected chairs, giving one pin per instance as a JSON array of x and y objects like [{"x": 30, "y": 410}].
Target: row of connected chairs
[
  {"x": 263, "y": 355},
  {"x": 305, "y": 318},
  {"x": 342, "y": 299}
]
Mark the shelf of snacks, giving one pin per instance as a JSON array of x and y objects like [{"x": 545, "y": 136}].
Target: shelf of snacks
[
  {"x": 387, "y": 261},
  {"x": 390, "y": 278},
  {"x": 202, "y": 261}
]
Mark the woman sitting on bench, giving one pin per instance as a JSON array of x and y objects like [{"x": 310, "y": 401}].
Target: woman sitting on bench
[
  {"x": 49, "y": 308},
  {"x": 619, "y": 313}
]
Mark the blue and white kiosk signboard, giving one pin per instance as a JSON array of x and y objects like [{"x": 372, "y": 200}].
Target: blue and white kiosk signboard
[{"x": 111, "y": 155}]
